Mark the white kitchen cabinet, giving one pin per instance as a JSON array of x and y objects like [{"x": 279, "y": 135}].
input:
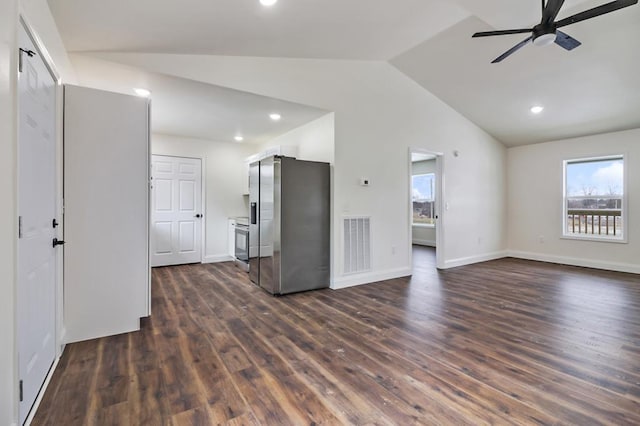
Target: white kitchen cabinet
[
  {"x": 106, "y": 215},
  {"x": 245, "y": 178}
]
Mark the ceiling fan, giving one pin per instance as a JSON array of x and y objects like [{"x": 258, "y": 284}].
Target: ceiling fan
[{"x": 546, "y": 32}]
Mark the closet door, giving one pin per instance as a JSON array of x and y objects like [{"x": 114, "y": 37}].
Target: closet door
[
  {"x": 37, "y": 207},
  {"x": 176, "y": 210},
  {"x": 106, "y": 193}
]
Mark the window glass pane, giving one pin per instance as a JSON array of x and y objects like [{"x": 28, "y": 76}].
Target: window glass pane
[
  {"x": 423, "y": 197},
  {"x": 602, "y": 177},
  {"x": 594, "y": 198}
]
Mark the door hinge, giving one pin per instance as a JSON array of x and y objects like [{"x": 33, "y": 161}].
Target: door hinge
[
  {"x": 30, "y": 53},
  {"x": 19, "y": 226},
  {"x": 21, "y": 392}
]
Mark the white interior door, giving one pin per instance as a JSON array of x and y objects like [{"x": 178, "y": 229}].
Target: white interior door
[
  {"x": 176, "y": 210},
  {"x": 37, "y": 210}
]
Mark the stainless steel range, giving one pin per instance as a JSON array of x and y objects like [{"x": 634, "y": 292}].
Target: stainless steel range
[{"x": 242, "y": 242}]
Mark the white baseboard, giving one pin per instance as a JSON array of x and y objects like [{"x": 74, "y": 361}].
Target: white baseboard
[
  {"x": 43, "y": 389},
  {"x": 462, "y": 261},
  {"x": 574, "y": 261},
  {"x": 369, "y": 277},
  {"x": 217, "y": 258},
  {"x": 428, "y": 243}
]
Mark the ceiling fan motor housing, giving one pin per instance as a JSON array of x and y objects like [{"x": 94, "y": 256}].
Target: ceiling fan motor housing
[{"x": 544, "y": 35}]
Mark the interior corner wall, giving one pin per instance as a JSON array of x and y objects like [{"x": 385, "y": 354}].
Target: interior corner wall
[
  {"x": 8, "y": 229},
  {"x": 315, "y": 140},
  {"x": 535, "y": 197},
  {"x": 225, "y": 179},
  {"x": 423, "y": 235}
]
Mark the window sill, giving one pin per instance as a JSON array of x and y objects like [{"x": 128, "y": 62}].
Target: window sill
[
  {"x": 423, "y": 225},
  {"x": 595, "y": 238}
]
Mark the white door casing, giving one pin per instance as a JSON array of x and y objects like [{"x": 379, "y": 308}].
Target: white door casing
[
  {"x": 37, "y": 198},
  {"x": 176, "y": 203}
]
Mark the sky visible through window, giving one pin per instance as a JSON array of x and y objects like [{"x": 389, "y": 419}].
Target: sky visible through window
[
  {"x": 604, "y": 177},
  {"x": 423, "y": 187}
]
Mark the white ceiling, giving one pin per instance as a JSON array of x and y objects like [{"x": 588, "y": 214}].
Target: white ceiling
[
  {"x": 337, "y": 29},
  {"x": 197, "y": 110},
  {"x": 592, "y": 89},
  {"x": 417, "y": 156}
]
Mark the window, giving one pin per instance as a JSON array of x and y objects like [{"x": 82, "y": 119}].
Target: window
[
  {"x": 594, "y": 200},
  {"x": 423, "y": 198}
]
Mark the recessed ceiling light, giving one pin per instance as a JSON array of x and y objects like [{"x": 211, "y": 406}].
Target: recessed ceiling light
[
  {"x": 239, "y": 138},
  {"x": 268, "y": 2},
  {"x": 142, "y": 92},
  {"x": 537, "y": 109},
  {"x": 275, "y": 116}
]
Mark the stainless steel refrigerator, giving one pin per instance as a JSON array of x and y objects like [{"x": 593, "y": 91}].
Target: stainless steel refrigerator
[{"x": 289, "y": 224}]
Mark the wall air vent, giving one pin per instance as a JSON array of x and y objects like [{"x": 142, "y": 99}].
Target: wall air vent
[{"x": 357, "y": 244}]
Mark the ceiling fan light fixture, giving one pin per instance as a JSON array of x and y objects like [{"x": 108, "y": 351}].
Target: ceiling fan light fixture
[
  {"x": 275, "y": 116},
  {"x": 268, "y": 2},
  {"x": 238, "y": 138},
  {"x": 545, "y": 39},
  {"x": 536, "y": 109}
]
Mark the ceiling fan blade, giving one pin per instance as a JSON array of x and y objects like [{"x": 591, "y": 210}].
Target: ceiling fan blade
[
  {"x": 566, "y": 41},
  {"x": 551, "y": 11},
  {"x": 502, "y": 32},
  {"x": 512, "y": 50},
  {"x": 596, "y": 11}
]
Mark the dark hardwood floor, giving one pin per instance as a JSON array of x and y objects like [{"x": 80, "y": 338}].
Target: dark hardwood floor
[{"x": 503, "y": 342}]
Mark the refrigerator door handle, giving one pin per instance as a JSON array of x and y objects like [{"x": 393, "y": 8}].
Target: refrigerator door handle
[{"x": 254, "y": 211}]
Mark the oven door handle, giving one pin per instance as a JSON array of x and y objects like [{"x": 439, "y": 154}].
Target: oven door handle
[{"x": 254, "y": 213}]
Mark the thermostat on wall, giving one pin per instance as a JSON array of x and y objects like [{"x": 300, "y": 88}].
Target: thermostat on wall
[{"x": 365, "y": 181}]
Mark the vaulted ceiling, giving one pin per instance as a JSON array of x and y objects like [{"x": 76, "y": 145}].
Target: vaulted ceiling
[
  {"x": 592, "y": 89},
  {"x": 193, "y": 109}
]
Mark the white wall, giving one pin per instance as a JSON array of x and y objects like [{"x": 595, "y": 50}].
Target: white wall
[
  {"x": 225, "y": 179},
  {"x": 535, "y": 179},
  {"x": 315, "y": 140},
  {"x": 379, "y": 114},
  {"x": 423, "y": 235}
]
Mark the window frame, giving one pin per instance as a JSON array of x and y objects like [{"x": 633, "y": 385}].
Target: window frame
[
  {"x": 624, "y": 208},
  {"x": 432, "y": 200}
]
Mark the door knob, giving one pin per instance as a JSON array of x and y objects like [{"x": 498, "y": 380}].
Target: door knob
[
  {"x": 57, "y": 242},
  {"x": 198, "y": 215}
]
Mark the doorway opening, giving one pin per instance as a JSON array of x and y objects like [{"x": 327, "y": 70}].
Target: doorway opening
[{"x": 426, "y": 184}]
